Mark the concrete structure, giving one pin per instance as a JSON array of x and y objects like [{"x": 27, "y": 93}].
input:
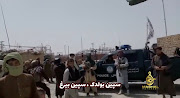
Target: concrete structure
[
  {"x": 169, "y": 44},
  {"x": 33, "y": 56}
]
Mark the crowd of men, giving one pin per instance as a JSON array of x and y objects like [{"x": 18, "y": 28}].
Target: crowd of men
[{"x": 26, "y": 79}]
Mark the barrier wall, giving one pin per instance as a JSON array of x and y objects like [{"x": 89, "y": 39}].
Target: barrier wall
[{"x": 169, "y": 44}]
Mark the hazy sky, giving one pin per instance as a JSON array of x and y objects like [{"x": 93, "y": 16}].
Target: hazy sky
[{"x": 63, "y": 22}]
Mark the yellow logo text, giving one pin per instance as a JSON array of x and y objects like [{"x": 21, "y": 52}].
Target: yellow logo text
[{"x": 150, "y": 82}]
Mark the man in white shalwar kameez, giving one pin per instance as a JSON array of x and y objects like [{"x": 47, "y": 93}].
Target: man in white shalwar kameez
[{"x": 121, "y": 64}]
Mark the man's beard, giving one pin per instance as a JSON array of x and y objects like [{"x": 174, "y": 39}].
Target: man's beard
[{"x": 159, "y": 54}]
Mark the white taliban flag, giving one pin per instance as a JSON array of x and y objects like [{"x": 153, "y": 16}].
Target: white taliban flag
[{"x": 151, "y": 30}]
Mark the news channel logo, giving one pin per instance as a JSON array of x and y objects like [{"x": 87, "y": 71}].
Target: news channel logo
[{"x": 150, "y": 81}]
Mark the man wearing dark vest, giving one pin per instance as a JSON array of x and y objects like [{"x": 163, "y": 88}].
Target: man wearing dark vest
[{"x": 71, "y": 74}]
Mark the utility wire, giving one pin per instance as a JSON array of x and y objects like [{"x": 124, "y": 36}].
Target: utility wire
[
  {"x": 23, "y": 46},
  {"x": 5, "y": 24}
]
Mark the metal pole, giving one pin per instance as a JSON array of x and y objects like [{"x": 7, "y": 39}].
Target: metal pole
[
  {"x": 81, "y": 44},
  {"x": 92, "y": 45},
  {"x": 65, "y": 49},
  {"x": 68, "y": 50},
  {"x": 1, "y": 45},
  {"x": 147, "y": 32},
  {"x": 147, "y": 37},
  {"x": 95, "y": 54},
  {"x": 50, "y": 49},
  {"x": 164, "y": 17},
  {"x": 5, "y": 25}
]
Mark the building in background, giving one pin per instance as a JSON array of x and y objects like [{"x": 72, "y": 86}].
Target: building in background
[{"x": 169, "y": 44}]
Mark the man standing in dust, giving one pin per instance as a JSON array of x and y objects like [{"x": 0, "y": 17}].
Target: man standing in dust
[
  {"x": 48, "y": 69},
  {"x": 90, "y": 74},
  {"x": 59, "y": 71},
  {"x": 71, "y": 75},
  {"x": 161, "y": 65},
  {"x": 121, "y": 64},
  {"x": 16, "y": 84}
]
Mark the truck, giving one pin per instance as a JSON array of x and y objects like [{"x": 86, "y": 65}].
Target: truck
[{"x": 139, "y": 66}]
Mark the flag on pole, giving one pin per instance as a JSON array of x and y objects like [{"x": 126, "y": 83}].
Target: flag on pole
[{"x": 151, "y": 30}]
